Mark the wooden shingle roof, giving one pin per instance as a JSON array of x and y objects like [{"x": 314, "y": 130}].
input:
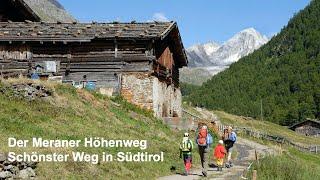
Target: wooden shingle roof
[
  {"x": 85, "y": 32},
  {"x": 36, "y": 31},
  {"x": 312, "y": 121}
]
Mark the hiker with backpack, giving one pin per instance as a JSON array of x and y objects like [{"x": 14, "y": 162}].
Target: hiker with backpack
[
  {"x": 219, "y": 154},
  {"x": 204, "y": 140},
  {"x": 230, "y": 137},
  {"x": 186, "y": 148}
]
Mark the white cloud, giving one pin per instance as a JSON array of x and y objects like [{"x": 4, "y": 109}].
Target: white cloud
[{"x": 160, "y": 17}]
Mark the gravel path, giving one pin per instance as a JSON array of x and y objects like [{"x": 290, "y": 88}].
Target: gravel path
[{"x": 246, "y": 154}]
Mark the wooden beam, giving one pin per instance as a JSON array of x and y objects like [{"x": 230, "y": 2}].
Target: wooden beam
[
  {"x": 167, "y": 31},
  {"x": 115, "y": 49}
]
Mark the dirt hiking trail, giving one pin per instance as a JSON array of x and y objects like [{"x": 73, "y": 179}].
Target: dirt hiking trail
[{"x": 245, "y": 155}]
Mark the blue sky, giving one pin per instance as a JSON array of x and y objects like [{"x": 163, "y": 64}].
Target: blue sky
[{"x": 199, "y": 20}]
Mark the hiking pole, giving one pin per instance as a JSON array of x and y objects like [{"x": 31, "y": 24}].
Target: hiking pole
[
  {"x": 244, "y": 173},
  {"x": 255, "y": 154}
]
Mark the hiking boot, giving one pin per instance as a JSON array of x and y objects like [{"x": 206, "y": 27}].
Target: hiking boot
[
  {"x": 204, "y": 173},
  {"x": 185, "y": 173}
]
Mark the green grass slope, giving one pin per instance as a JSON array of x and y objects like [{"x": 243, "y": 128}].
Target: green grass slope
[
  {"x": 284, "y": 74},
  {"x": 292, "y": 164},
  {"x": 76, "y": 114}
]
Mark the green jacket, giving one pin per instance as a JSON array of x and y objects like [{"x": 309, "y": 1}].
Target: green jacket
[{"x": 186, "y": 147}]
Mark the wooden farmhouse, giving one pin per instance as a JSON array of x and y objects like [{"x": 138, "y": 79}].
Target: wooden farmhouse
[
  {"x": 308, "y": 127},
  {"x": 139, "y": 61}
]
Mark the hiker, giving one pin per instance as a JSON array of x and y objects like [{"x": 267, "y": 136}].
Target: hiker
[
  {"x": 214, "y": 128},
  {"x": 229, "y": 137},
  {"x": 204, "y": 140},
  {"x": 186, "y": 147},
  {"x": 219, "y": 154}
]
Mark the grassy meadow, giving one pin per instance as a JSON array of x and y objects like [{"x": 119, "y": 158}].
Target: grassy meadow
[
  {"x": 291, "y": 164},
  {"x": 73, "y": 114}
]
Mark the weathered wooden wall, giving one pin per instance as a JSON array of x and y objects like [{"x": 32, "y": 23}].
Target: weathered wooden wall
[
  {"x": 308, "y": 130},
  {"x": 14, "y": 60},
  {"x": 98, "y": 61},
  {"x": 15, "y": 52},
  {"x": 166, "y": 58},
  {"x": 166, "y": 67}
]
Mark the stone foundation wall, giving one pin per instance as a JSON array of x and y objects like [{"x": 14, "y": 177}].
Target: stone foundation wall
[
  {"x": 148, "y": 92},
  {"x": 137, "y": 89},
  {"x": 166, "y": 100}
]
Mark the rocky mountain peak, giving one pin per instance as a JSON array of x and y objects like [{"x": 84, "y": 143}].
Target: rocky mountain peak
[
  {"x": 213, "y": 58},
  {"x": 212, "y": 54},
  {"x": 249, "y": 35}
]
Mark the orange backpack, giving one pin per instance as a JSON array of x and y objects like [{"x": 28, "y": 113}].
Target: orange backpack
[{"x": 202, "y": 137}]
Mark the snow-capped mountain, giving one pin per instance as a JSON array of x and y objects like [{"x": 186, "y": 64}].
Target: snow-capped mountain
[
  {"x": 199, "y": 54},
  {"x": 215, "y": 57}
]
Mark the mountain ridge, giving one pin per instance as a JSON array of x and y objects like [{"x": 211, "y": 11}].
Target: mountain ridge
[
  {"x": 212, "y": 57},
  {"x": 214, "y": 54}
]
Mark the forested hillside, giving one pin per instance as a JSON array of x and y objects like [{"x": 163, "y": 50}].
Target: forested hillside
[{"x": 284, "y": 75}]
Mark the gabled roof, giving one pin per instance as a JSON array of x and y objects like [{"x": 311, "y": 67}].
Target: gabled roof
[
  {"x": 46, "y": 10},
  {"x": 36, "y": 31},
  {"x": 316, "y": 122},
  {"x": 86, "y": 32}
]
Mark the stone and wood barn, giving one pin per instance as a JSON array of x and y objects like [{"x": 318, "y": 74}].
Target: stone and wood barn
[
  {"x": 139, "y": 61},
  {"x": 309, "y": 127}
]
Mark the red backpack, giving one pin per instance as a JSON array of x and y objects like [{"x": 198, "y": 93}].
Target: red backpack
[{"x": 202, "y": 137}]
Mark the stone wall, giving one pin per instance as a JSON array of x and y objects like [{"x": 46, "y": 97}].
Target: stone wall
[
  {"x": 148, "y": 92},
  {"x": 166, "y": 99},
  {"x": 137, "y": 89},
  {"x": 16, "y": 170}
]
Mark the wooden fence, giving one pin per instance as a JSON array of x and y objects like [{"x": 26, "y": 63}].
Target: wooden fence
[
  {"x": 272, "y": 138},
  {"x": 264, "y": 136}
]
